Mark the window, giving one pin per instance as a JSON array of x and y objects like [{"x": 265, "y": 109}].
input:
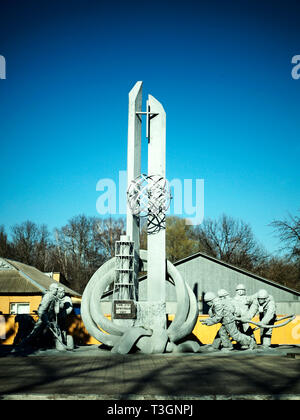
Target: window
[{"x": 19, "y": 308}]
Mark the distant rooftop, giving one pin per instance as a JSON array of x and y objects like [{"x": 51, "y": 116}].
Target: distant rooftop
[{"x": 16, "y": 277}]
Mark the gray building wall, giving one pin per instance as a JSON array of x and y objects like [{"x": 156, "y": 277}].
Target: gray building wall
[{"x": 204, "y": 273}]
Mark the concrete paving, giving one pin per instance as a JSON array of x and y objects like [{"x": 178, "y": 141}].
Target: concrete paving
[{"x": 92, "y": 373}]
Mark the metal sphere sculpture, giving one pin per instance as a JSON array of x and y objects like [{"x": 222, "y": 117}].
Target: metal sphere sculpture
[{"x": 149, "y": 196}]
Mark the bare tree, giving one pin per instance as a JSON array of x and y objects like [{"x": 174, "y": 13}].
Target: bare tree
[
  {"x": 107, "y": 232},
  {"x": 282, "y": 270},
  {"x": 72, "y": 250},
  {"x": 288, "y": 231},
  {"x": 30, "y": 243},
  {"x": 83, "y": 245},
  {"x": 5, "y": 247},
  {"x": 230, "y": 240}
]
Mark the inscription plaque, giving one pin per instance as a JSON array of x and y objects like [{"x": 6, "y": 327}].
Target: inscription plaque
[{"x": 124, "y": 309}]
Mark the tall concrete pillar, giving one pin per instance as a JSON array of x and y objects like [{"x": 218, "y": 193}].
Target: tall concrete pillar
[
  {"x": 134, "y": 155},
  {"x": 157, "y": 166},
  {"x": 134, "y": 166},
  {"x": 153, "y": 311}
]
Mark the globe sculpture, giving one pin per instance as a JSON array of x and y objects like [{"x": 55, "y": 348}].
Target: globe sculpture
[{"x": 149, "y": 196}]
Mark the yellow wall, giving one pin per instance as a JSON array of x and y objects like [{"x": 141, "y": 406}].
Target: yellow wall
[
  {"x": 11, "y": 327},
  {"x": 56, "y": 276},
  {"x": 5, "y": 302},
  {"x": 288, "y": 334}
]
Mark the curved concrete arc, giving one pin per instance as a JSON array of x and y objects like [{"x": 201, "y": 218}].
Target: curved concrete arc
[{"x": 122, "y": 338}]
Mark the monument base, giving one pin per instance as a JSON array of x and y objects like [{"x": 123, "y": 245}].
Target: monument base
[{"x": 151, "y": 315}]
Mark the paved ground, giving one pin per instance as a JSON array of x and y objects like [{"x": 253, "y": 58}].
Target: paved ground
[{"x": 91, "y": 373}]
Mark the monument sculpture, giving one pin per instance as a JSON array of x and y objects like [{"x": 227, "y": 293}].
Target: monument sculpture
[
  {"x": 52, "y": 312},
  {"x": 142, "y": 325},
  {"x": 243, "y": 303},
  {"x": 235, "y": 315},
  {"x": 63, "y": 340},
  {"x": 135, "y": 323},
  {"x": 138, "y": 324},
  {"x": 222, "y": 310}
]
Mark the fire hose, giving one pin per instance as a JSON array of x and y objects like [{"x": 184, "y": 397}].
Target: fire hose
[{"x": 259, "y": 325}]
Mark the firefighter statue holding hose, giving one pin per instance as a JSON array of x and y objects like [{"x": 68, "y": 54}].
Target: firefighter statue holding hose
[
  {"x": 52, "y": 312},
  {"x": 242, "y": 309}
]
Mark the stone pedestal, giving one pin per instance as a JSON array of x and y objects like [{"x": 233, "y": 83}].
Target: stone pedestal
[{"x": 151, "y": 315}]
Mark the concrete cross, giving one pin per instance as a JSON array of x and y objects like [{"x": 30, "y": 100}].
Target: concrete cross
[{"x": 149, "y": 116}]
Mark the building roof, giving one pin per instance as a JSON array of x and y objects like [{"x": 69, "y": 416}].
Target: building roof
[
  {"x": 229, "y": 266},
  {"x": 16, "y": 277},
  {"x": 240, "y": 270}
]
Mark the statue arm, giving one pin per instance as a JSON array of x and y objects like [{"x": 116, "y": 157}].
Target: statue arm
[
  {"x": 218, "y": 316},
  {"x": 210, "y": 321},
  {"x": 270, "y": 313},
  {"x": 253, "y": 309},
  {"x": 215, "y": 316},
  {"x": 44, "y": 305}
]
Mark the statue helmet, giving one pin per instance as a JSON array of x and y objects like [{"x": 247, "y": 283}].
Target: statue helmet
[
  {"x": 222, "y": 293},
  {"x": 240, "y": 287},
  {"x": 53, "y": 286},
  {"x": 209, "y": 296},
  {"x": 262, "y": 294}
]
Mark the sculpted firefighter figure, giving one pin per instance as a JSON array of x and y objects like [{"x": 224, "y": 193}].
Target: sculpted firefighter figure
[
  {"x": 235, "y": 314},
  {"x": 52, "y": 312},
  {"x": 246, "y": 307},
  {"x": 45, "y": 312},
  {"x": 266, "y": 309},
  {"x": 63, "y": 308},
  {"x": 223, "y": 311}
]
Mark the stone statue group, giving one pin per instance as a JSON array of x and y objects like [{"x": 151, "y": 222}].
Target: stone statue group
[
  {"x": 53, "y": 311},
  {"x": 235, "y": 314}
]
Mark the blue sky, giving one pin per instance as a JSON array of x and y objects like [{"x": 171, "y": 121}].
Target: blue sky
[{"x": 221, "y": 69}]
